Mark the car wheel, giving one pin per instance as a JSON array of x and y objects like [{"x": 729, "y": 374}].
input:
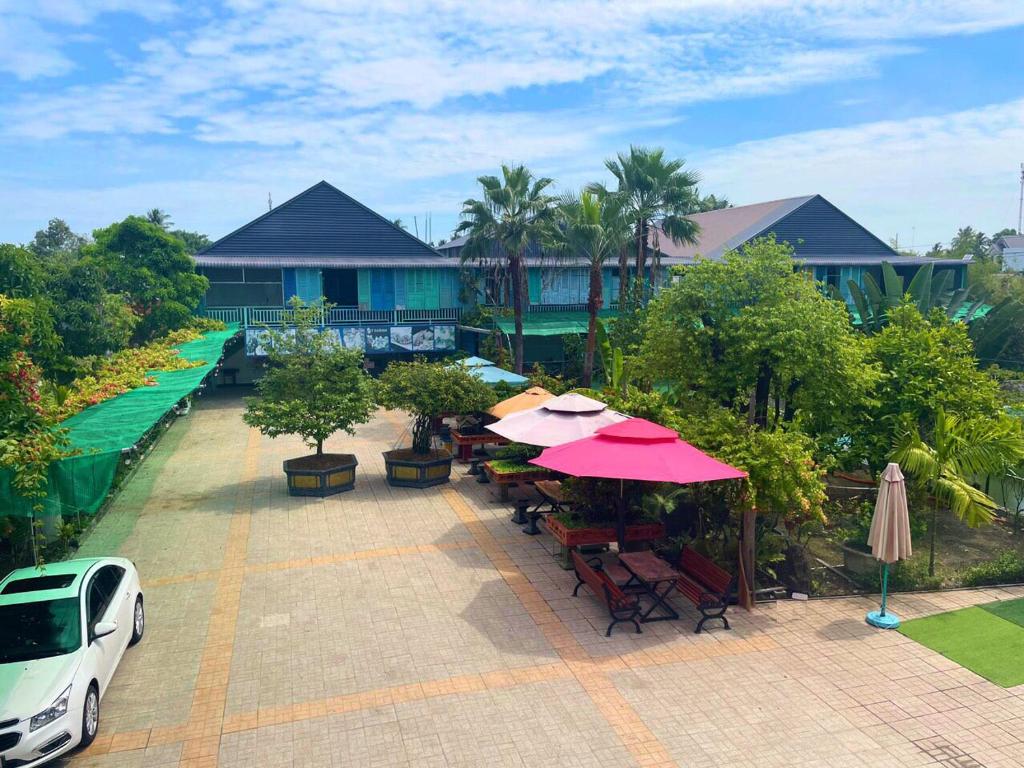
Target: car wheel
[
  {"x": 138, "y": 621},
  {"x": 90, "y": 715}
]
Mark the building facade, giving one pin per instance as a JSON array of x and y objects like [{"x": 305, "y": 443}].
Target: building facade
[{"x": 392, "y": 295}]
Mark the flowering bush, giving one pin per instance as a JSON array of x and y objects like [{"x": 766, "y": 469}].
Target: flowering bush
[{"x": 127, "y": 370}]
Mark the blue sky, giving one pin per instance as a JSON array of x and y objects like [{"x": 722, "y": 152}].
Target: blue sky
[{"x": 908, "y": 114}]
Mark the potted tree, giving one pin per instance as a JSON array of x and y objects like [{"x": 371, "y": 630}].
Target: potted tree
[
  {"x": 313, "y": 387},
  {"x": 427, "y": 390}
]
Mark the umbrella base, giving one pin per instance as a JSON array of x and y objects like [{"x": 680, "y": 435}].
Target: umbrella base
[{"x": 888, "y": 621}]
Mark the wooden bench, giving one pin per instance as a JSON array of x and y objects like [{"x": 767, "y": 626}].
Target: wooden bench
[
  {"x": 705, "y": 585},
  {"x": 621, "y": 607}
]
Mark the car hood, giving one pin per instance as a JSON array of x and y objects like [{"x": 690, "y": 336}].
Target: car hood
[{"x": 27, "y": 687}]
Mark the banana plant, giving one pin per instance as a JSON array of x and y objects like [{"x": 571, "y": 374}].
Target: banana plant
[
  {"x": 927, "y": 290},
  {"x": 617, "y": 371}
]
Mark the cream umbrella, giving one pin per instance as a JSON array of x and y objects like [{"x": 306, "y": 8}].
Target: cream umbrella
[
  {"x": 889, "y": 537},
  {"x": 559, "y": 420},
  {"x": 525, "y": 400}
]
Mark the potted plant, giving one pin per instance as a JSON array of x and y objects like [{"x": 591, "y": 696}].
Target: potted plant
[
  {"x": 312, "y": 387},
  {"x": 427, "y": 390}
]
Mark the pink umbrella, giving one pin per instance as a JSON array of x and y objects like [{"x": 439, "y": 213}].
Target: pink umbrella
[
  {"x": 559, "y": 420},
  {"x": 636, "y": 449}
]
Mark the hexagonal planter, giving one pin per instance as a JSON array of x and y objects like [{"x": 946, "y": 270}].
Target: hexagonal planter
[
  {"x": 322, "y": 474},
  {"x": 406, "y": 469}
]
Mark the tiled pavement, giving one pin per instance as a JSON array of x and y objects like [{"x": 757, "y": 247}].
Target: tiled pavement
[{"x": 395, "y": 627}]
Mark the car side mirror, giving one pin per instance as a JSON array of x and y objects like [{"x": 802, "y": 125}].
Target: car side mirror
[{"x": 104, "y": 628}]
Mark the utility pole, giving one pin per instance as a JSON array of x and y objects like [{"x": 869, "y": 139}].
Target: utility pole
[
  {"x": 270, "y": 202},
  {"x": 1020, "y": 205}
]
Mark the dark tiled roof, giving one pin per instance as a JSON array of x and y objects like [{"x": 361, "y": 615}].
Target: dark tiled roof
[
  {"x": 323, "y": 223},
  {"x": 811, "y": 224}
]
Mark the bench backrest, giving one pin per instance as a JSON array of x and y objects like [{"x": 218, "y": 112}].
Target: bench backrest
[
  {"x": 703, "y": 570},
  {"x": 607, "y": 591}
]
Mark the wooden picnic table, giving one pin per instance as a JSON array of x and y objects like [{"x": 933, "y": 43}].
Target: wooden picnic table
[
  {"x": 649, "y": 571},
  {"x": 466, "y": 443}
]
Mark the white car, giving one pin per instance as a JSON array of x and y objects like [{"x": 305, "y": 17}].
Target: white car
[{"x": 63, "y": 630}]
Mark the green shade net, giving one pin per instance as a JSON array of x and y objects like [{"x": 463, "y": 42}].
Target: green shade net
[
  {"x": 79, "y": 484},
  {"x": 551, "y": 323}
]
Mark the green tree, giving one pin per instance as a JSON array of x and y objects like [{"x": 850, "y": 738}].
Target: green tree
[
  {"x": 194, "y": 241},
  {"x": 753, "y": 335},
  {"x": 654, "y": 189},
  {"x": 927, "y": 365},
  {"x": 707, "y": 203},
  {"x": 313, "y": 387},
  {"x": 512, "y": 216},
  {"x": 151, "y": 268},
  {"x": 57, "y": 242},
  {"x": 590, "y": 227},
  {"x": 21, "y": 274},
  {"x": 957, "y": 451},
  {"x": 430, "y": 390},
  {"x": 89, "y": 319}
]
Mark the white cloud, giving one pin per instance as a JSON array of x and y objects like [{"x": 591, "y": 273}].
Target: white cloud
[{"x": 918, "y": 178}]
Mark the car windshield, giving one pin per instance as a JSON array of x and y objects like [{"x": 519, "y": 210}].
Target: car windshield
[{"x": 40, "y": 629}]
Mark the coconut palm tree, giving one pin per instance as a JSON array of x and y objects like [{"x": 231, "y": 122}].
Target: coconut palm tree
[
  {"x": 591, "y": 227},
  {"x": 161, "y": 218},
  {"x": 513, "y": 214},
  {"x": 960, "y": 450},
  {"x": 655, "y": 190}
]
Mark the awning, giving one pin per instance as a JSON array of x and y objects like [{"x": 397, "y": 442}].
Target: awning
[{"x": 551, "y": 323}]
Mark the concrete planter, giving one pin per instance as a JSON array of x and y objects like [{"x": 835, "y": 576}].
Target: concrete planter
[
  {"x": 406, "y": 469},
  {"x": 321, "y": 475},
  {"x": 857, "y": 562}
]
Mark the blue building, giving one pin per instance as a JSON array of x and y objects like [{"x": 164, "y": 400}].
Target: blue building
[{"x": 393, "y": 295}]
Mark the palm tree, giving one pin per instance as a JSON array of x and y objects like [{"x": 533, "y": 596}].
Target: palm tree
[
  {"x": 960, "y": 450},
  {"x": 655, "y": 190},
  {"x": 161, "y": 218},
  {"x": 512, "y": 215},
  {"x": 591, "y": 226}
]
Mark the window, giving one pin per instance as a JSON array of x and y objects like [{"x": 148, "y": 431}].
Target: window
[
  {"x": 102, "y": 589},
  {"x": 223, "y": 274},
  {"x": 262, "y": 275},
  {"x": 39, "y": 583},
  {"x": 39, "y": 630}
]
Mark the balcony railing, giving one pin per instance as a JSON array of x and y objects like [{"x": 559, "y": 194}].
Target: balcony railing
[{"x": 259, "y": 317}]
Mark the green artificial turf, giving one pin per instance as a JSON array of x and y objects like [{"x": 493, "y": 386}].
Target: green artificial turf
[
  {"x": 1011, "y": 610},
  {"x": 976, "y": 638}
]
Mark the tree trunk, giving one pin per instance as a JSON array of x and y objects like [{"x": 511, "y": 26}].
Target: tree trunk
[
  {"x": 641, "y": 254},
  {"x": 931, "y": 537},
  {"x": 623, "y": 278},
  {"x": 762, "y": 390},
  {"x": 319, "y": 447},
  {"x": 594, "y": 301},
  {"x": 517, "y": 308}
]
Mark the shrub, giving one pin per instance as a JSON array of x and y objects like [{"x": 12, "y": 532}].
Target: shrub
[
  {"x": 429, "y": 390},
  {"x": 1005, "y": 568}
]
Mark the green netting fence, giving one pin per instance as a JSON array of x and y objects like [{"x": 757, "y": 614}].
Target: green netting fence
[{"x": 79, "y": 484}]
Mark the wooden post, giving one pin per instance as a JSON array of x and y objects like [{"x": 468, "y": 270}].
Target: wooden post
[{"x": 746, "y": 559}]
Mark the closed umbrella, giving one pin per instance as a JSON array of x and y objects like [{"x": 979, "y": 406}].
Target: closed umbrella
[
  {"x": 559, "y": 420},
  {"x": 889, "y": 537},
  {"x": 524, "y": 401},
  {"x": 636, "y": 449}
]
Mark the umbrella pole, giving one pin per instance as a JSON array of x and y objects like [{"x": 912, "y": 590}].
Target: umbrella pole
[
  {"x": 885, "y": 586},
  {"x": 882, "y": 619},
  {"x": 622, "y": 517}
]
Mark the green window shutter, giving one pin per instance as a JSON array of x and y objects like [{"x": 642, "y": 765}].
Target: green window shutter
[
  {"x": 534, "y": 281},
  {"x": 449, "y": 288},
  {"x": 308, "y": 286},
  {"x": 433, "y": 289},
  {"x": 415, "y": 290},
  {"x": 363, "y": 286}
]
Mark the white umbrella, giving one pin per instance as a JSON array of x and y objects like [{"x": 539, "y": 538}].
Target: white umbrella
[
  {"x": 889, "y": 537},
  {"x": 559, "y": 420}
]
